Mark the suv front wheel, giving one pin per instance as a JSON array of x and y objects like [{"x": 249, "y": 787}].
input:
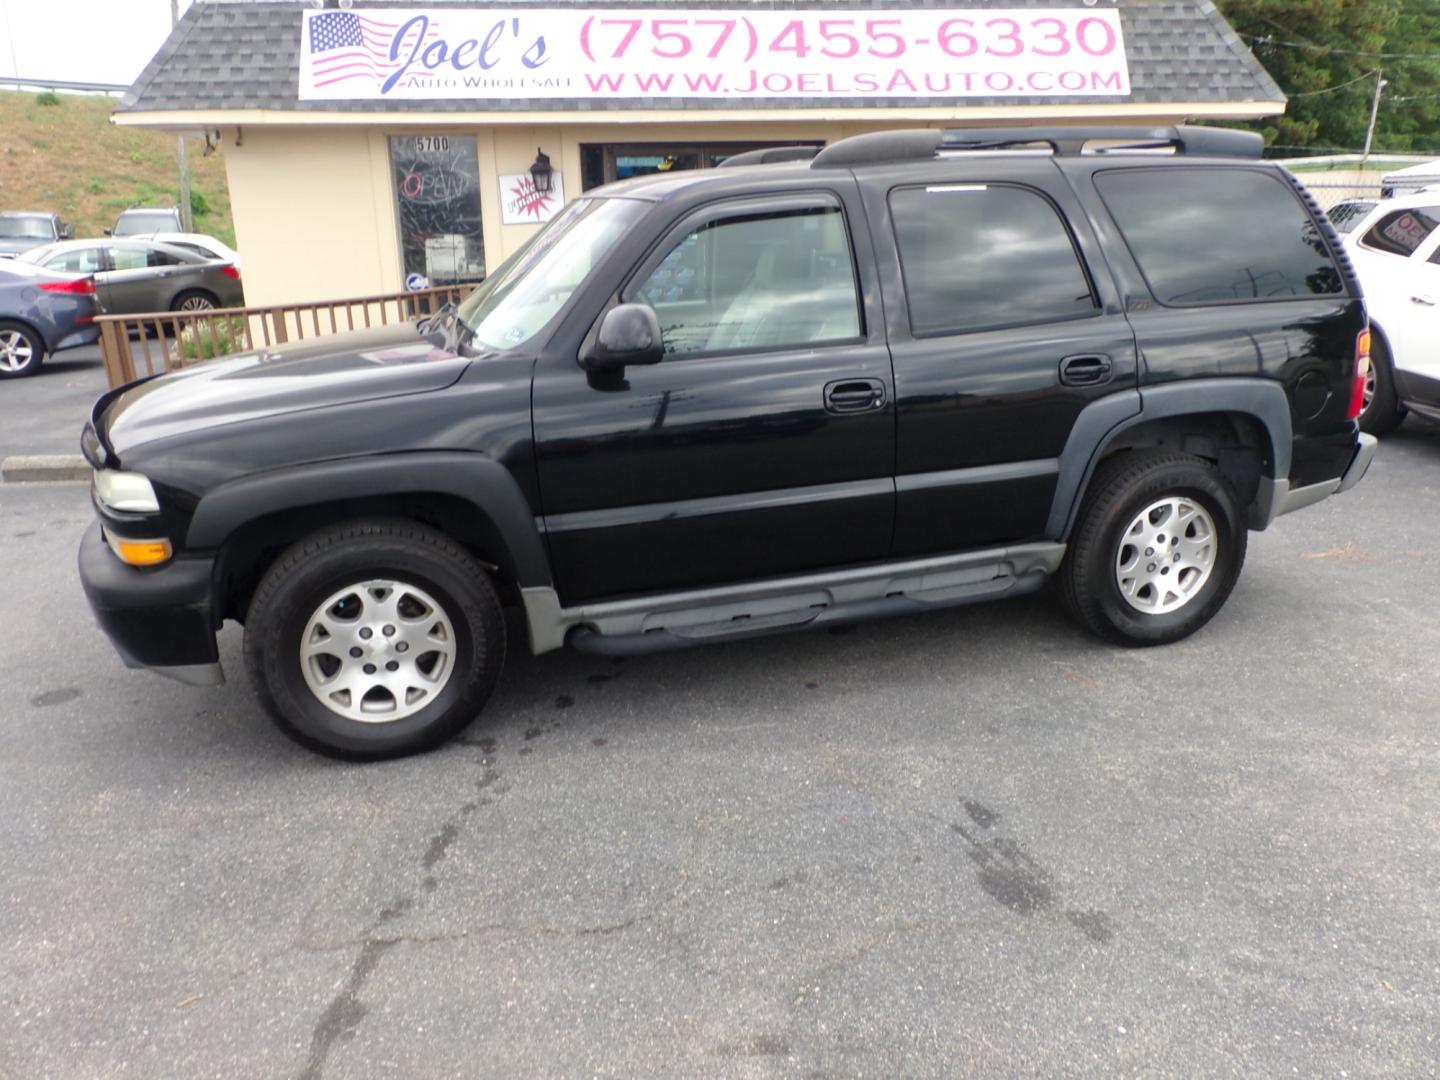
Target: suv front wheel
[
  {"x": 1157, "y": 550},
  {"x": 374, "y": 640}
]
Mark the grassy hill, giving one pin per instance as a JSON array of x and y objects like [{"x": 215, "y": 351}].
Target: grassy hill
[{"x": 68, "y": 157}]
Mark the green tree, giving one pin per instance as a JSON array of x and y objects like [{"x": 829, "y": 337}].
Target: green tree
[{"x": 1324, "y": 54}]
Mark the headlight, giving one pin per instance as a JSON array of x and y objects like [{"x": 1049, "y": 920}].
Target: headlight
[{"x": 125, "y": 492}]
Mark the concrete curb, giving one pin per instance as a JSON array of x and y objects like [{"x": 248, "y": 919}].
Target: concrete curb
[{"x": 45, "y": 469}]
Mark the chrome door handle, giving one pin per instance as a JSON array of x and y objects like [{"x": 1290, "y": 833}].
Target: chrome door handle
[{"x": 1423, "y": 298}]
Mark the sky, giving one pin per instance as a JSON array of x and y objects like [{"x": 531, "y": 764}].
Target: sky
[{"x": 103, "y": 41}]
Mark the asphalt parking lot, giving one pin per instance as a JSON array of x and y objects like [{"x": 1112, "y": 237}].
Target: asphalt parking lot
[
  {"x": 43, "y": 413},
  {"x": 972, "y": 843}
]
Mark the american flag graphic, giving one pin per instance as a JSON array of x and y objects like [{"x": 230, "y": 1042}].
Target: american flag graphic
[{"x": 344, "y": 45}]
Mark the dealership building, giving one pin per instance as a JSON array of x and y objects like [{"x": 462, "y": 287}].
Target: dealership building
[{"x": 370, "y": 145}]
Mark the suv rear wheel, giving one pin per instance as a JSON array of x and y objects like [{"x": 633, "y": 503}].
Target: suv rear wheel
[
  {"x": 374, "y": 640},
  {"x": 1157, "y": 550}
]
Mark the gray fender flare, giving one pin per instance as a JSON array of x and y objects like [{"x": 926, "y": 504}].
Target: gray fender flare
[
  {"x": 1101, "y": 422},
  {"x": 478, "y": 480}
]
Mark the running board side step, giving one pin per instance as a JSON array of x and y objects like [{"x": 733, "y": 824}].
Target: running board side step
[{"x": 677, "y": 620}]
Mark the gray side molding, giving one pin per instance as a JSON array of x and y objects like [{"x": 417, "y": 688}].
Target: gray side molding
[
  {"x": 480, "y": 481},
  {"x": 780, "y": 603},
  {"x": 1101, "y": 422}
]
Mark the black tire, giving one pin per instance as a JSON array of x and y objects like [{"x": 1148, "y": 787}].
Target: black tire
[
  {"x": 1121, "y": 490},
  {"x": 319, "y": 566},
  {"x": 205, "y": 300},
  {"x": 1384, "y": 413},
  {"x": 19, "y": 336}
]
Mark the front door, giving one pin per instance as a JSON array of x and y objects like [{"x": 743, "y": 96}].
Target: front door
[
  {"x": 1000, "y": 334},
  {"x": 1421, "y": 342},
  {"x": 1400, "y": 259},
  {"x": 763, "y": 443}
]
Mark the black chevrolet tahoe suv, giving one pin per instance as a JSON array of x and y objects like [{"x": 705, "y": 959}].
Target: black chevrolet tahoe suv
[{"x": 909, "y": 370}]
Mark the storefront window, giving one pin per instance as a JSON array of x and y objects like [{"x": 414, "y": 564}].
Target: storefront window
[
  {"x": 437, "y": 201},
  {"x": 604, "y": 163}
]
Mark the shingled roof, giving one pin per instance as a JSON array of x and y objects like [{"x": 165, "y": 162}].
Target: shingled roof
[{"x": 226, "y": 55}]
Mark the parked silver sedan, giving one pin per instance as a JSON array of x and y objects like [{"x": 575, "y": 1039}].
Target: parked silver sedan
[{"x": 140, "y": 276}]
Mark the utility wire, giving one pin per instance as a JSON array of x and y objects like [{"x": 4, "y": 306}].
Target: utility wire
[
  {"x": 1266, "y": 39},
  {"x": 1338, "y": 86}
]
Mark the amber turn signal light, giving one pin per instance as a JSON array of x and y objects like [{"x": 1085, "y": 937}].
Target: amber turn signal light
[{"x": 141, "y": 552}]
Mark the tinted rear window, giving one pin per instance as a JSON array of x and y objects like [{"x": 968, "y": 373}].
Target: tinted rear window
[
  {"x": 978, "y": 256},
  {"x": 1219, "y": 236}
]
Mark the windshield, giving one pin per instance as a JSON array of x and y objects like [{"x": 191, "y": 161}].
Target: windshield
[
  {"x": 131, "y": 224},
  {"x": 23, "y": 228},
  {"x": 1346, "y": 215},
  {"x": 516, "y": 301}
]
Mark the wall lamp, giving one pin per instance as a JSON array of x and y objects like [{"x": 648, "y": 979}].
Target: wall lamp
[{"x": 541, "y": 174}]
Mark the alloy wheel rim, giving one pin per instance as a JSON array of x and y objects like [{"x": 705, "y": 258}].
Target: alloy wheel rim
[
  {"x": 378, "y": 651},
  {"x": 196, "y": 303},
  {"x": 1367, "y": 395},
  {"x": 16, "y": 352},
  {"x": 1166, "y": 555}
]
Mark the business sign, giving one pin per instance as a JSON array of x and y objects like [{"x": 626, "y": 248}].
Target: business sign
[
  {"x": 521, "y": 204},
  {"x": 487, "y": 54}
]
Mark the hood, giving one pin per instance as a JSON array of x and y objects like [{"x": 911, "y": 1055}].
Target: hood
[{"x": 338, "y": 370}]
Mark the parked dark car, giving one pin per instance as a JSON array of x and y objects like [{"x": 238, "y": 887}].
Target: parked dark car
[
  {"x": 41, "y": 313},
  {"x": 146, "y": 220},
  {"x": 137, "y": 276},
  {"x": 21, "y": 230},
  {"x": 924, "y": 368}
]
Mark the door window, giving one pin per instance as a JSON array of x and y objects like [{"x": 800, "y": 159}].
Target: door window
[
  {"x": 981, "y": 256},
  {"x": 162, "y": 258},
  {"x": 1401, "y": 232},
  {"x": 76, "y": 261},
  {"x": 124, "y": 258},
  {"x": 757, "y": 281},
  {"x": 1219, "y": 236}
]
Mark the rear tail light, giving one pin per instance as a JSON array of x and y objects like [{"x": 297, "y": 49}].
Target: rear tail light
[
  {"x": 77, "y": 286},
  {"x": 1362, "y": 375},
  {"x": 230, "y": 271}
]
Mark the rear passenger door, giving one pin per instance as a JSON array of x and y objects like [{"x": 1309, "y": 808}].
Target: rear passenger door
[
  {"x": 1004, "y": 325},
  {"x": 763, "y": 444}
]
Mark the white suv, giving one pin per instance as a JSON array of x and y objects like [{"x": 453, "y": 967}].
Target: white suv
[{"x": 1396, "y": 249}]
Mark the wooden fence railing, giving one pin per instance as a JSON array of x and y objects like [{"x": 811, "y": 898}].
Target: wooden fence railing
[{"x": 137, "y": 345}]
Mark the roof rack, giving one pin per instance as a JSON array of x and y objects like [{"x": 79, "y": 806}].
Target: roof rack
[
  {"x": 923, "y": 144},
  {"x": 771, "y": 155}
]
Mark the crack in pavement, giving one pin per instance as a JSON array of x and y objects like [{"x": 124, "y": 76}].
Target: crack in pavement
[{"x": 346, "y": 1010}]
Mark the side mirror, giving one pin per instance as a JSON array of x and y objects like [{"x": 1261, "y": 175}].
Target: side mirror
[
  {"x": 629, "y": 334},
  {"x": 67, "y": 232},
  {"x": 109, "y": 232}
]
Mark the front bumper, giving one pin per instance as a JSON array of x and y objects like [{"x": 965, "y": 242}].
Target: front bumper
[{"x": 162, "y": 619}]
